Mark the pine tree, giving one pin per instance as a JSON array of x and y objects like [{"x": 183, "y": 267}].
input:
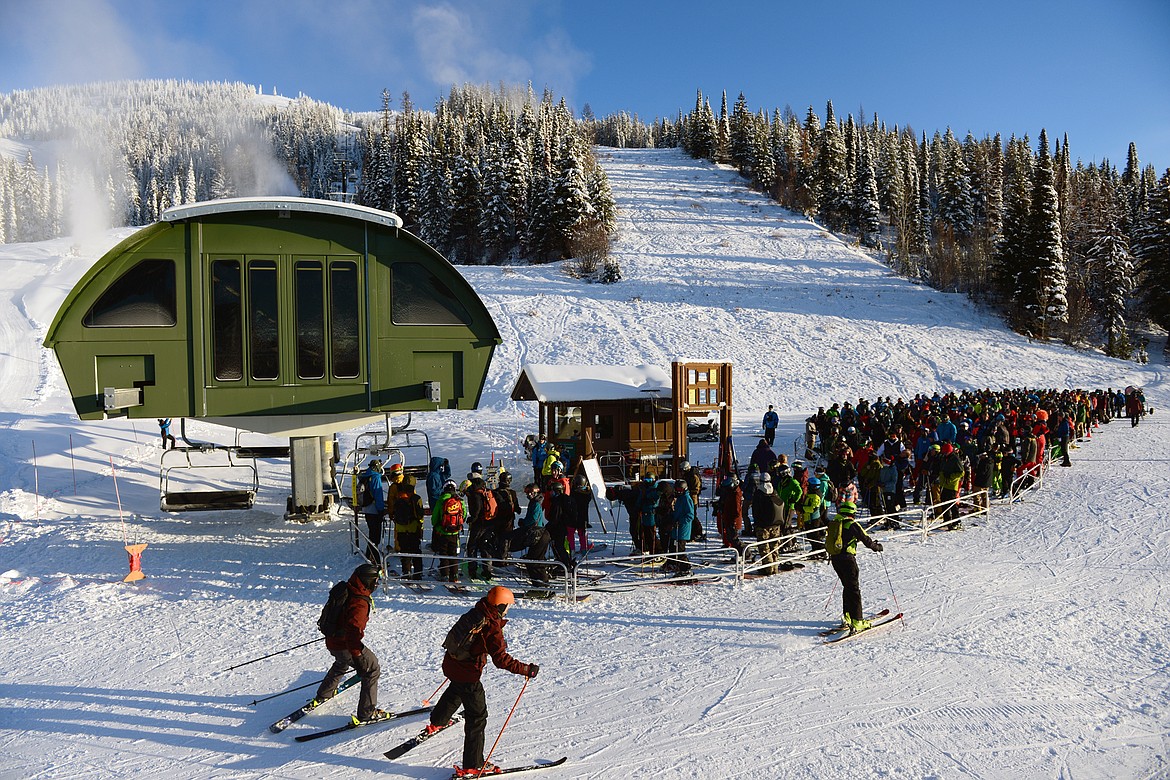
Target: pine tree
[
  {"x": 743, "y": 138},
  {"x": 956, "y": 208},
  {"x": 466, "y": 206},
  {"x": 1051, "y": 307},
  {"x": 833, "y": 194},
  {"x": 1014, "y": 262},
  {"x": 1154, "y": 254},
  {"x": 1112, "y": 265},
  {"x": 869, "y": 218},
  {"x": 762, "y": 158}
]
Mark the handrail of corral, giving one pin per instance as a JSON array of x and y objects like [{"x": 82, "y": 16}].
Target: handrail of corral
[
  {"x": 635, "y": 571},
  {"x": 563, "y": 588}
]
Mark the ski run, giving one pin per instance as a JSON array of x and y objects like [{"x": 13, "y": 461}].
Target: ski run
[{"x": 1034, "y": 643}]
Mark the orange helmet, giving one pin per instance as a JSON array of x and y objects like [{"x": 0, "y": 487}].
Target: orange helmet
[{"x": 501, "y": 598}]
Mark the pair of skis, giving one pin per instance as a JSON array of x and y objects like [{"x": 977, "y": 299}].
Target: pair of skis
[
  {"x": 354, "y": 723},
  {"x": 421, "y": 737},
  {"x": 397, "y": 751},
  {"x": 842, "y": 633}
]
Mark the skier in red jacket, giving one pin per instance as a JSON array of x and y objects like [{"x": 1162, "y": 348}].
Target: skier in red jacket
[
  {"x": 476, "y": 635},
  {"x": 348, "y": 649}
]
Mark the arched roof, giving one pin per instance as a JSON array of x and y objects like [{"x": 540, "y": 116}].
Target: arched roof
[{"x": 281, "y": 203}]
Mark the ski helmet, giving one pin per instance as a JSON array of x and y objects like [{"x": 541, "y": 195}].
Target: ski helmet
[
  {"x": 847, "y": 508},
  {"x": 814, "y": 483},
  {"x": 580, "y": 483},
  {"x": 684, "y": 466},
  {"x": 368, "y": 574},
  {"x": 449, "y": 486},
  {"x": 505, "y": 479},
  {"x": 501, "y": 598}
]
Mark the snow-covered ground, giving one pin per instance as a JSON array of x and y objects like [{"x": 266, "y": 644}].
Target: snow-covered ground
[{"x": 1034, "y": 643}]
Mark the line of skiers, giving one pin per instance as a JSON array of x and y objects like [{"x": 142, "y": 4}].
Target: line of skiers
[
  {"x": 476, "y": 636},
  {"x": 888, "y": 454}
]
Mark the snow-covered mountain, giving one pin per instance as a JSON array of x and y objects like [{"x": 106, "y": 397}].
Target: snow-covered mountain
[{"x": 1032, "y": 646}]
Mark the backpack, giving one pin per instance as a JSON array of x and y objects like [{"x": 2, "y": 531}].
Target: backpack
[
  {"x": 365, "y": 496},
  {"x": 463, "y": 633},
  {"x": 452, "y": 519},
  {"x": 834, "y": 536},
  {"x": 329, "y": 622},
  {"x": 504, "y": 503},
  {"x": 489, "y": 504}
]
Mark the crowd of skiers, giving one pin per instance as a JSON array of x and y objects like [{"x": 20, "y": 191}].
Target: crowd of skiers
[
  {"x": 481, "y": 517},
  {"x": 886, "y": 454}
]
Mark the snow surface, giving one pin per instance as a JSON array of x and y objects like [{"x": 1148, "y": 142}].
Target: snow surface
[{"x": 1034, "y": 644}]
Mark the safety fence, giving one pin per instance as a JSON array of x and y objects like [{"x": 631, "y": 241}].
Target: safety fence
[{"x": 701, "y": 563}]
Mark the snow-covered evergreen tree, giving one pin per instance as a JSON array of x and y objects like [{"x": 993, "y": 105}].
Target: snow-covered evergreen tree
[
  {"x": 833, "y": 193},
  {"x": 1112, "y": 264},
  {"x": 1014, "y": 262},
  {"x": 866, "y": 196},
  {"x": 1045, "y": 243},
  {"x": 956, "y": 207},
  {"x": 1154, "y": 253}
]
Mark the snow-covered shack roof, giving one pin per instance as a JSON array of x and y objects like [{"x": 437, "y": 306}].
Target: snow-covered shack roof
[{"x": 564, "y": 384}]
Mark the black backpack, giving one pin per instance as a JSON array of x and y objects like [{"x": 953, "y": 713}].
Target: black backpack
[
  {"x": 463, "y": 633},
  {"x": 329, "y": 623},
  {"x": 365, "y": 496}
]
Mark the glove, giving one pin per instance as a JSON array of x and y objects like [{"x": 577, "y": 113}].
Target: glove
[
  {"x": 532, "y": 671},
  {"x": 877, "y": 547}
]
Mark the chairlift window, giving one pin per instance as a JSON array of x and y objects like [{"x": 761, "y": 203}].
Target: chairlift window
[
  {"x": 345, "y": 342},
  {"x": 418, "y": 297},
  {"x": 310, "y": 279},
  {"x": 227, "y": 347},
  {"x": 142, "y": 297},
  {"x": 263, "y": 323}
]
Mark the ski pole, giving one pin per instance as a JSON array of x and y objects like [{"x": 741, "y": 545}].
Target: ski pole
[
  {"x": 427, "y": 700},
  {"x": 882, "y": 558},
  {"x": 282, "y": 693},
  {"x": 278, "y": 652},
  {"x": 514, "y": 706}
]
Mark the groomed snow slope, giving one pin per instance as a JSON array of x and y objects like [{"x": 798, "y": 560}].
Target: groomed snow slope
[{"x": 1033, "y": 646}]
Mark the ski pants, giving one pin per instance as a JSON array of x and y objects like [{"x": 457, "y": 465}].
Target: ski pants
[
  {"x": 846, "y": 567},
  {"x": 475, "y": 717},
  {"x": 368, "y": 669},
  {"x": 411, "y": 542},
  {"x": 769, "y": 549},
  {"x": 374, "y": 543},
  {"x": 446, "y": 544}
]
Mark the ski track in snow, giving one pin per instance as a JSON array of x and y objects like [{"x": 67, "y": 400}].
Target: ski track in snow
[{"x": 1033, "y": 642}]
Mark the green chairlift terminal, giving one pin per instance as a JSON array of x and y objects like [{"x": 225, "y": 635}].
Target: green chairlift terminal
[{"x": 283, "y": 316}]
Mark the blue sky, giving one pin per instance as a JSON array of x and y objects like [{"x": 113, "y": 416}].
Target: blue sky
[{"x": 1098, "y": 70}]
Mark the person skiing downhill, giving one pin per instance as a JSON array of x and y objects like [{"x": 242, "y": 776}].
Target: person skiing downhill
[
  {"x": 479, "y": 633},
  {"x": 344, "y": 642},
  {"x": 841, "y": 543}
]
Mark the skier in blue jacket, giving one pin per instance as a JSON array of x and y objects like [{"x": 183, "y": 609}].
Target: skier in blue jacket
[
  {"x": 683, "y": 517},
  {"x": 375, "y": 511},
  {"x": 769, "y": 424}
]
